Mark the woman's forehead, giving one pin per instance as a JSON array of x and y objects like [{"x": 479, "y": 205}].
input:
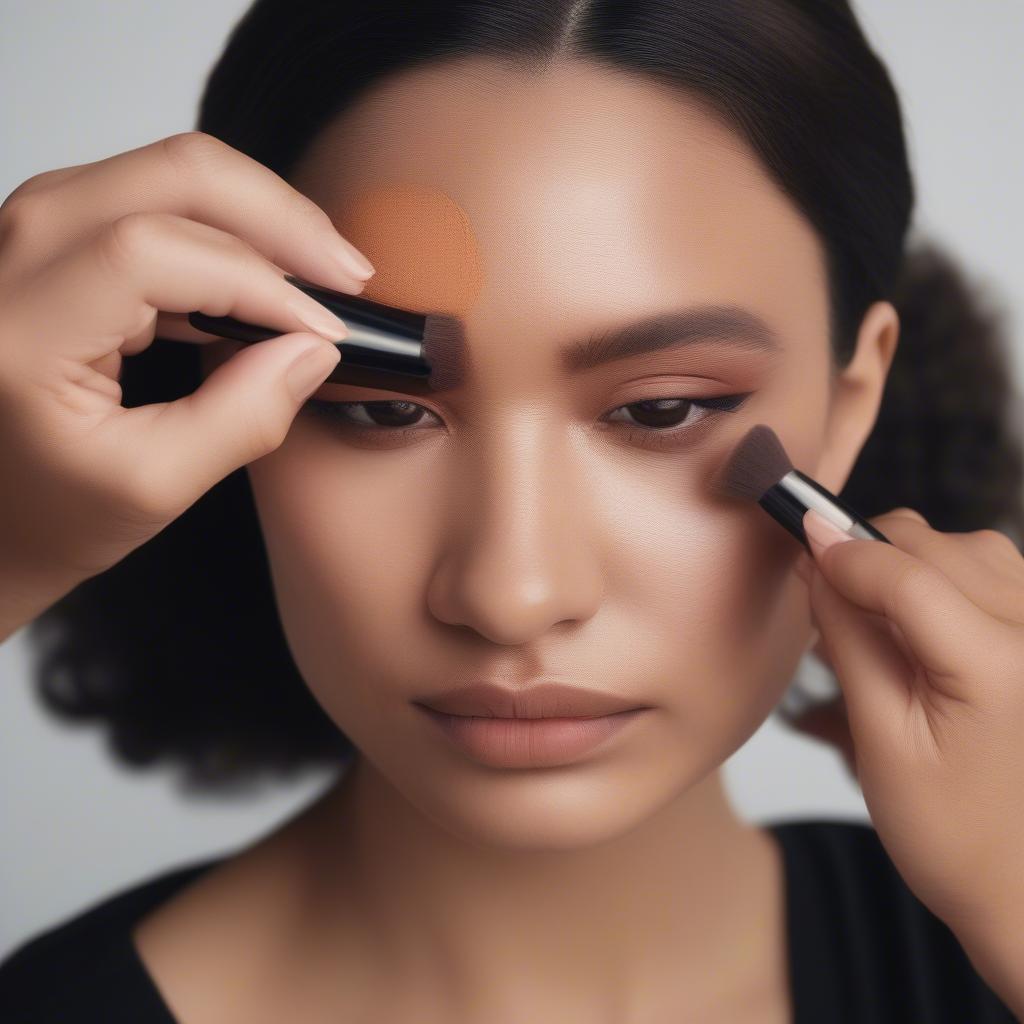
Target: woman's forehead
[{"x": 541, "y": 217}]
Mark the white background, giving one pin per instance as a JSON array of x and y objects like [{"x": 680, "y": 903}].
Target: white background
[{"x": 84, "y": 79}]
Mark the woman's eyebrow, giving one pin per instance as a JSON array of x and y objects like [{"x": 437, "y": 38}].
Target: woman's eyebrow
[{"x": 731, "y": 325}]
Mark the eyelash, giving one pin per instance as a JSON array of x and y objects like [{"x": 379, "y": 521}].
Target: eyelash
[{"x": 653, "y": 438}]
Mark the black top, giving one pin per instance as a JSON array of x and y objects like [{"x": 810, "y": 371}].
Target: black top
[{"x": 862, "y": 948}]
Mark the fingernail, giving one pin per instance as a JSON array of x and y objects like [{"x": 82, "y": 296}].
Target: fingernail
[
  {"x": 320, "y": 319},
  {"x": 310, "y": 370},
  {"x": 352, "y": 259},
  {"x": 821, "y": 533}
]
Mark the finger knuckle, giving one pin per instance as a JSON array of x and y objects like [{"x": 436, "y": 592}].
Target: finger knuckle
[
  {"x": 22, "y": 215},
  {"x": 29, "y": 213},
  {"x": 192, "y": 152},
  {"x": 221, "y": 242},
  {"x": 147, "y": 495},
  {"x": 30, "y": 187},
  {"x": 995, "y": 540},
  {"x": 312, "y": 214},
  {"x": 264, "y": 429},
  {"x": 905, "y": 512},
  {"x": 130, "y": 238},
  {"x": 239, "y": 249}
]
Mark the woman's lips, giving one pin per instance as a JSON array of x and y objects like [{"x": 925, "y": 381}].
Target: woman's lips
[
  {"x": 528, "y": 742},
  {"x": 541, "y": 699}
]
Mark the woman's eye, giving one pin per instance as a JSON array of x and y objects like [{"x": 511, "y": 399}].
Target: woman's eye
[
  {"x": 388, "y": 414},
  {"x": 652, "y": 423},
  {"x": 380, "y": 424},
  {"x": 666, "y": 421}
]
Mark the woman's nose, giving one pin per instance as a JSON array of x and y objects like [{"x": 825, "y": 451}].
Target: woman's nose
[{"x": 519, "y": 553}]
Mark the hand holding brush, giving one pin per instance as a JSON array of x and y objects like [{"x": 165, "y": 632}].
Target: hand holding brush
[{"x": 925, "y": 633}]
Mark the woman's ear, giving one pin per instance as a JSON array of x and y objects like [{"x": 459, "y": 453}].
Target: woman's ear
[{"x": 857, "y": 395}]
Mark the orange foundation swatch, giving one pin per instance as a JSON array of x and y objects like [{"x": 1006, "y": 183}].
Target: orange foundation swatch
[{"x": 421, "y": 244}]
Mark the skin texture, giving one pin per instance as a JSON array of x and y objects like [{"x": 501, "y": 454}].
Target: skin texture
[{"x": 526, "y": 531}]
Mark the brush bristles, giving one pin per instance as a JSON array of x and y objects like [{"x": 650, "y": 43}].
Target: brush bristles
[
  {"x": 758, "y": 462},
  {"x": 442, "y": 348}
]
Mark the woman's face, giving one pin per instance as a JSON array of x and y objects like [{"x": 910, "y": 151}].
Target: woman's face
[{"x": 536, "y": 522}]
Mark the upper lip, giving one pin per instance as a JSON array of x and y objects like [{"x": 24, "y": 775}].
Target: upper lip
[{"x": 543, "y": 700}]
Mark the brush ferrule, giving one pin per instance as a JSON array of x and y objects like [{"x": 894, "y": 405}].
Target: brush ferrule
[
  {"x": 366, "y": 346},
  {"x": 795, "y": 493}
]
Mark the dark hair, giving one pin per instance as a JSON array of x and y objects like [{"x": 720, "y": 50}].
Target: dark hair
[{"x": 179, "y": 647}]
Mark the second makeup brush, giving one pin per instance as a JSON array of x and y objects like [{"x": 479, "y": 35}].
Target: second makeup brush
[{"x": 760, "y": 470}]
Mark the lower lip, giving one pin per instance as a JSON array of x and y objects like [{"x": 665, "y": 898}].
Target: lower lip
[{"x": 529, "y": 742}]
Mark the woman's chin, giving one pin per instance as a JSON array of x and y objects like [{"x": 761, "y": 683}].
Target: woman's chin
[{"x": 571, "y": 807}]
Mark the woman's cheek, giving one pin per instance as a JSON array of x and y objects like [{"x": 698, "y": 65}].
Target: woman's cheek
[
  {"x": 709, "y": 582},
  {"x": 346, "y": 535}
]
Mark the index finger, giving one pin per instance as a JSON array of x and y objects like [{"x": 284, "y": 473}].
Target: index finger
[
  {"x": 198, "y": 176},
  {"x": 987, "y": 571}
]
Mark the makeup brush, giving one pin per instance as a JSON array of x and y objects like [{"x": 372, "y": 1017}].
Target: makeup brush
[
  {"x": 760, "y": 470},
  {"x": 386, "y": 347}
]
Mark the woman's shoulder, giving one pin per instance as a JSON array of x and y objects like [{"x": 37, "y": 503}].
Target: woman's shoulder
[
  {"x": 92, "y": 954},
  {"x": 858, "y": 932}
]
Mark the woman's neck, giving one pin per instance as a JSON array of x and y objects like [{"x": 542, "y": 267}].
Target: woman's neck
[{"x": 691, "y": 894}]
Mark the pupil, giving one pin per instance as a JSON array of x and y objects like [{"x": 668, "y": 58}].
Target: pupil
[
  {"x": 660, "y": 412},
  {"x": 392, "y": 413}
]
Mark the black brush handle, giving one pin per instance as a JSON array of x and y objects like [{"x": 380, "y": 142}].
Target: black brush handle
[
  {"x": 382, "y": 339},
  {"x": 784, "y": 504}
]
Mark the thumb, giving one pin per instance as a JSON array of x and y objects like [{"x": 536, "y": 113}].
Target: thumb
[
  {"x": 242, "y": 411},
  {"x": 873, "y": 674},
  {"x": 869, "y": 592}
]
